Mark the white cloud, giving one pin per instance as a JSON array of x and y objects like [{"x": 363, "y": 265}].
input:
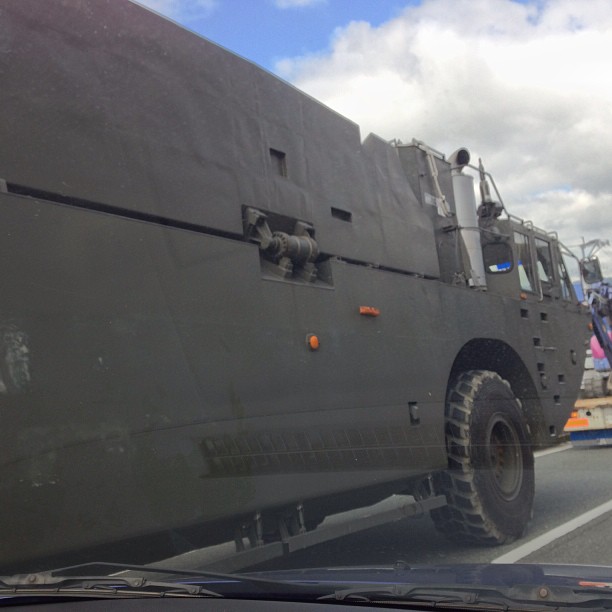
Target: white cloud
[
  {"x": 284, "y": 4},
  {"x": 560, "y": 209},
  {"x": 527, "y": 87}
]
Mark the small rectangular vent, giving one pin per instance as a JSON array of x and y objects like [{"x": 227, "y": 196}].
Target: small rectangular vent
[
  {"x": 279, "y": 162},
  {"x": 415, "y": 418},
  {"x": 343, "y": 215}
]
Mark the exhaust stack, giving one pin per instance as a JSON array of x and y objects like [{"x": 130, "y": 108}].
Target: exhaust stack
[{"x": 465, "y": 202}]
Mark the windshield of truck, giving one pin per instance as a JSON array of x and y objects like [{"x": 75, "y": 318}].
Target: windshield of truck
[{"x": 294, "y": 285}]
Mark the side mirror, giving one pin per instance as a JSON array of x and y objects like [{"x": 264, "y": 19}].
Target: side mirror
[{"x": 591, "y": 270}]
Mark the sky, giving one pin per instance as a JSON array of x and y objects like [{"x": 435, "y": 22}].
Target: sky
[{"x": 525, "y": 85}]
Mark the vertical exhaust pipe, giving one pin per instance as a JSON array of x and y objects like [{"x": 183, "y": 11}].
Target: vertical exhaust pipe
[{"x": 467, "y": 218}]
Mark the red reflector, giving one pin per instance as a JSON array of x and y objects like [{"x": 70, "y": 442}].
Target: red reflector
[
  {"x": 313, "y": 342},
  {"x": 369, "y": 311}
]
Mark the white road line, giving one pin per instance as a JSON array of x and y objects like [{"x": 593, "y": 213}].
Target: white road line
[
  {"x": 550, "y": 536},
  {"x": 554, "y": 449}
]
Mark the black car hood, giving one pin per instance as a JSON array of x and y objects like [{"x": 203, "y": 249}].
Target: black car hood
[{"x": 451, "y": 574}]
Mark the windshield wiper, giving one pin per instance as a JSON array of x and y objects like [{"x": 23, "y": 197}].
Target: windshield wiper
[
  {"x": 519, "y": 597},
  {"x": 97, "y": 586}
]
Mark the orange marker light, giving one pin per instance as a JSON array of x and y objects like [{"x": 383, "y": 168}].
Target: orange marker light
[
  {"x": 369, "y": 311},
  {"x": 313, "y": 342}
]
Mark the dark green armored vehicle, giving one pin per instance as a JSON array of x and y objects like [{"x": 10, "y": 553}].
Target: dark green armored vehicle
[{"x": 221, "y": 306}]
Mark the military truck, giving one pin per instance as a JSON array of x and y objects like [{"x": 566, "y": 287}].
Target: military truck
[{"x": 221, "y": 305}]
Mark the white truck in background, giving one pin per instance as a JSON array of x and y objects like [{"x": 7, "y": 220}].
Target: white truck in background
[{"x": 590, "y": 423}]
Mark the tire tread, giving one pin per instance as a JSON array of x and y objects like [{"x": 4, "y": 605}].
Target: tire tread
[{"x": 464, "y": 519}]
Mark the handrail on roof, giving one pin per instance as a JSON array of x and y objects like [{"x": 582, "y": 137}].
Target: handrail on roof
[{"x": 396, "y": 142}]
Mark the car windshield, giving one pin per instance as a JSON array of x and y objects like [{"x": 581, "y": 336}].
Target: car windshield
[{"x": 297, "y": 284}]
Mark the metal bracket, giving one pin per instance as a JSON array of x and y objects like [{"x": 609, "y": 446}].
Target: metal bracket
[
  {"x": 255, "y": 531},
  {"x": 218, "y": 558}
]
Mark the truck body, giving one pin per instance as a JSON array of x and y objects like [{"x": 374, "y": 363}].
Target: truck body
[
  {"x": 595, "y": 378},
  {"x": 221, "y": 303},
  {"x": 590, "y": 422}
]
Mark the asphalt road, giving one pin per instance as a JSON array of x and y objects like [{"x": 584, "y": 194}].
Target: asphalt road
[{"x": 572, "y": 523}]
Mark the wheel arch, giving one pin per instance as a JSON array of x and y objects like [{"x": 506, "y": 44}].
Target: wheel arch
[{"x": 498, "y": 356}]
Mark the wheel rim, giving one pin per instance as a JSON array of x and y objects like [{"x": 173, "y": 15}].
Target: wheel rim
[{"x": 505, "y": 457}]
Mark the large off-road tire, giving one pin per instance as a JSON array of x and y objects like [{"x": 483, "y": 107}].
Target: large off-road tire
[{"x": 489, "y": 483}]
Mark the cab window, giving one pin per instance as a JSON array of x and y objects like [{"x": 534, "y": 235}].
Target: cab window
[
  {"x": 497, "y": 257},
  {"x": 523, "y": 262},
  {"x": 544, "y": 261},
  {"x": 567, "y": 292}
]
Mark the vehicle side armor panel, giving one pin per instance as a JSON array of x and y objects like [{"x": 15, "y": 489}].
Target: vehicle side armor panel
[{"x": 183, "y": 129}]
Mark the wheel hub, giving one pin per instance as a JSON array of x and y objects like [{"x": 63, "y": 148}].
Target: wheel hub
[{"x": 505, "y": 457}]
